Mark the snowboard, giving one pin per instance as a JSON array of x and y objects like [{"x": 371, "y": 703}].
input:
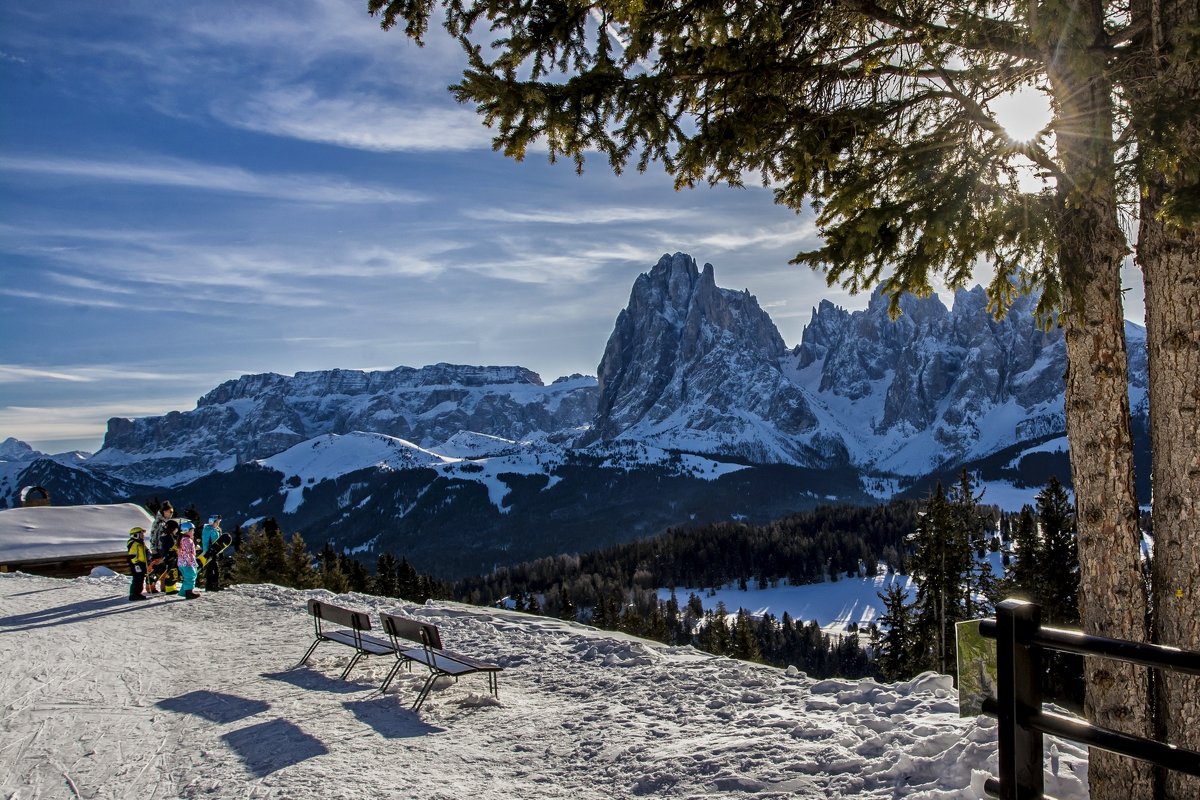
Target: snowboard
[
  {"x": 164, "y": 569},
  {"x": 215, "y": 549}
]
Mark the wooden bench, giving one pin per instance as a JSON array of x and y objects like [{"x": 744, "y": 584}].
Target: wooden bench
[
  {"x": 437, "y": 659},
  {"x": 357, "y": 623}
]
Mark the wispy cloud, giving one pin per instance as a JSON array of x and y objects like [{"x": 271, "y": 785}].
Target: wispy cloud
[
  {"x": 12, "y": 373},
  {"x": 89, "y": 284},
  {"x": 177, "y": 173},
  {"x": 558, "y": 267},
  {"x": 600, "y": 215},
  {"x": 362, "y": 122},
  {"x": 792, "y": 234},
  {"x": 132, "y": 268},
  {"x": 90, "y": 301},
  {"x": 22, "y": 373}
]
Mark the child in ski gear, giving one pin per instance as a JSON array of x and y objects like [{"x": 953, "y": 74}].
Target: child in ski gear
[
  {"x": 212, "y": 569},
  {"x": 164, "y": 566},
  {"x": 138, "y": 562},
  {"x": 186, "y": 557}
]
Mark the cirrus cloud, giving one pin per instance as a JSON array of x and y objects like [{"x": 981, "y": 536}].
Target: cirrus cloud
[{"x": 359, "y": 121}]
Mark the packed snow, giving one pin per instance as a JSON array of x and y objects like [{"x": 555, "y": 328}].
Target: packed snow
[{"x": 103, "y": 698}]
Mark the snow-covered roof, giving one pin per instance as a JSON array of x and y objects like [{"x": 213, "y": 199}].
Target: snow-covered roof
[{"x": 43, "y": 532}]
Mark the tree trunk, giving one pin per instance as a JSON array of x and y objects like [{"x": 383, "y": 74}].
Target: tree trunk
[
  {"x": 1169, "y": 256},
  {"x": 1112, "y": 597},
  {"x": 1170, "y": 262}
]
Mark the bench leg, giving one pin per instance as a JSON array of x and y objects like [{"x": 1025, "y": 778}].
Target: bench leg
[
  {"x": 400, "y": 662},
  {"x": 350, "y": 666},
  {"x": 304, "y": 660},
  {"x": 416, "y": 706}
]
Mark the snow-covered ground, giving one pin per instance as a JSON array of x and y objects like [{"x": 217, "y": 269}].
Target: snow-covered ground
[{"x": 102, "y": 698}]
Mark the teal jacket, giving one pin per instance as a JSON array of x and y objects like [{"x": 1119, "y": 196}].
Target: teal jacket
[{"x": 208, "y": 536}]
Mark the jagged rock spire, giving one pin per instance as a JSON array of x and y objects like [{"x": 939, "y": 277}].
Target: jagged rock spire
[{"x": 698, "y": 367}]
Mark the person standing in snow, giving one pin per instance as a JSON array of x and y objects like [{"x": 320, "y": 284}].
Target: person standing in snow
[
  {"x": 139, "y": 561},
  {"x": 165, "y": 512},
  {"x": 212, "y": 569},
  {"x": 186, "y": 557},
  {"x": 163, "y": 569},
  {"x": 161, "y": 543}
]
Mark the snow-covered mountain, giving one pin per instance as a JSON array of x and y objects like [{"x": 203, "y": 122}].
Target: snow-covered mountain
[
  {"x": 257, "y": 416},
  {"x": 459, "y": 515},
  {"x": 697, "y": 368},
  {"x": 14, "y": 450},
  {"x": 689, "y": 367},
  {"x": 693, "y": 367},
  {"x": 64, "y": 475},
  {"x": 937, "y": 386}
]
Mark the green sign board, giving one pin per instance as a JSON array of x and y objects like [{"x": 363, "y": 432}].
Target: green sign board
[{"x": 976, "y": 668}]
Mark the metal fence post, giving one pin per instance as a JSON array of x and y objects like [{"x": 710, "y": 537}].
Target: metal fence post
[{"x": 1019, "y": 694}]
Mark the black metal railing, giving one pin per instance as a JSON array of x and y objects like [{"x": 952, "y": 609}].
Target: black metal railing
[{"x": 1020, "y": 640}]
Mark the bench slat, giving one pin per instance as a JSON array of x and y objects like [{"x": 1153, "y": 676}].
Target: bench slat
[
  {"x": 372, "y": 645},
  {"x": 481, "y": 666},
  {"x": 339, "y": 616}
]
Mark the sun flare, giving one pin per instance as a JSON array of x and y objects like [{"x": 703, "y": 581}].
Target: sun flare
[{"x": 1023, "y": 113}]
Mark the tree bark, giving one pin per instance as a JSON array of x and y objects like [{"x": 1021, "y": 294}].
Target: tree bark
[
  {"x": 1169, "y": 256},
  {"x": 1171, "y": 265},
  {"x": 1112, "y": 597},
  {"x": 1112, "y": 600}
]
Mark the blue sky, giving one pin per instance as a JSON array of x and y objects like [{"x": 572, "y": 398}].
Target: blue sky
[{"x": 192, "y": 192}]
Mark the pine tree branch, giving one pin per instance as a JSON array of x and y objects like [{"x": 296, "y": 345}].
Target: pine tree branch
[
  {"x": 995, "y": 36},
  {"x": 985, "y": 121}
]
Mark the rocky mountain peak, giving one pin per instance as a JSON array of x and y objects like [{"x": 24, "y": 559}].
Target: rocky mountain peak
[
  {"x": 353, "y": 382},
  {"x": 936, "y": 385},
  {"x": 13, "y": 449},
  {"x": 688, "y": 360}
]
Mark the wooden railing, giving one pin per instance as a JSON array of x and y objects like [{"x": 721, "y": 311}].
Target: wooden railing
[{"x": 1020, "y": 641}]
